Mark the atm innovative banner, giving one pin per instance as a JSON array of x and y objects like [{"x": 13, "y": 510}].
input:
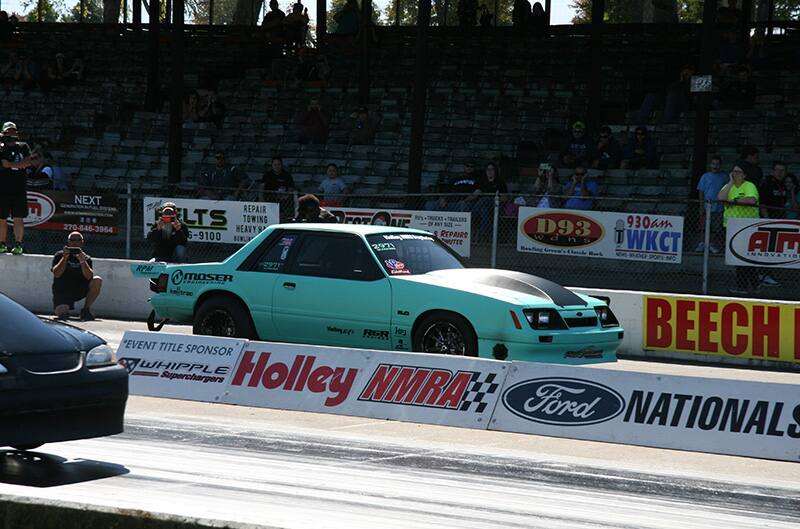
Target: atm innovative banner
[
  {"x": 218, "y": 221},
  {"x": 736, "y": 329},
  {"x": 764, "y": 243},
  {"x": 600, "y": 234}
]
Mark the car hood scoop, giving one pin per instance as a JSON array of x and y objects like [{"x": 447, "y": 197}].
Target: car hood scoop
[{"x": 514, "y": 281}]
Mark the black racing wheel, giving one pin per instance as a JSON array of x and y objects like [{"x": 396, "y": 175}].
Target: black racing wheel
[
  {"x": 445, "y": 333},
  {"x": 223, "y": 316}
]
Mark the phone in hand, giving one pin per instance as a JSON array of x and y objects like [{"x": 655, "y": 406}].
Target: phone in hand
[{"x": 167, "y": 219}]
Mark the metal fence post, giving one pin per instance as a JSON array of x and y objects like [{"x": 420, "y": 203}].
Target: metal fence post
[
  {"x": 706, "y": 243},
  {"x": 296, "y": 200},
  {"x": 128, "y": 225},
  {"x": 495, "y": 223}
]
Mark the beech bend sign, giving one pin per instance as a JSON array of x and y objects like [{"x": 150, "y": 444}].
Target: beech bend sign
[{"x": 756, "y": 330}]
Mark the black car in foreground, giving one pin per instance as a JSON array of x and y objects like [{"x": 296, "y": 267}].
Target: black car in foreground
[{"x": 57, "y": 382}]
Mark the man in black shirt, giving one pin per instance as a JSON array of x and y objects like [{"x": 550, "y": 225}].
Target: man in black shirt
[
  {"x": 772, "y": 193},
  {"x": 276, "y": 183},
  {"x": 169, "y": 236},
  {"x": 15, "y": 158},
  {"x": 74, "y": 279},
  {"x": 749, "y": 164}
]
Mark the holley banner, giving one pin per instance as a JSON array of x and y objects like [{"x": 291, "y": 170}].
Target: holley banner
[
  {"x": 69, "y": 211},
  {"x": 761, "y": 242},
  {"x": 452, "y": 228},
  {"x": 600, "y": 234},
  {"x": 218, "y": 221}
]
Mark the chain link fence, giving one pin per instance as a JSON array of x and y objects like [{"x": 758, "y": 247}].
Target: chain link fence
[{"x": 493, "y": 238}]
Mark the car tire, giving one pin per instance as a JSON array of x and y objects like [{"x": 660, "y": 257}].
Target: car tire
[
  {"x": 223, "y": 316},
  {"x": 445, "y": 333},
  {"x": 25, "y": 448}
]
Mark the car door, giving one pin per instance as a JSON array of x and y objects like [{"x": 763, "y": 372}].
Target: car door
[
  {"x": 256, "y": 279},
  {"x": 333, "y": 294}
]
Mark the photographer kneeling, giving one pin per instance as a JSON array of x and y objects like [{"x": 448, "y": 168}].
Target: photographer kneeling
[
  {"x": 74, "y": 279},
  {"x": 169, "y": 236}
]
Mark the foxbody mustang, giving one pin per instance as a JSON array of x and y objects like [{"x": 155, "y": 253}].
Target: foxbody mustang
[{"x": 381, "y": 288}]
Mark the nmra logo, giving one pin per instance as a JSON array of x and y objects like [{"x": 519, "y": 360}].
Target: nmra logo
[
  {"x": 562, "y": 229},
  {"x": 775, "y": 243},
  {"x": 41, "y": 208},
  {"x": 563, "y": 401}
]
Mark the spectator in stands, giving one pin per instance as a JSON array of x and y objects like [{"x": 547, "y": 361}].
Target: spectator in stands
[
  {"x": 276, "y": 184},
  {"x": 578, "y": 149},
  {"x": 708, "y": 189},
  {"x": 40, "y": 175},
  {"x": 538, "y": 21},
  {"x": 672, "y": 97},
  {"x": 314, "y": 123},
  {"x": 296, "y": 24},
  {"x": 74, "y": 279},
  {"x": 460, "y": 189},
  {"x": 732, "y": 51},
  {"x": 13, "y": 72},
  {"x": 640, "y": 151},
  {"x": 57, "y": 71},
  {"x": 169, "y": 236},
  {"x": 7, "y": 26},
  {"x": 772, "y": 193},
  {"x": 309, "y": 210},
  {"x": 547, "y": 190},
  {"x": 467, "y": 12},
  {"x": 581, "y": 189},
  {"x": 741, "y": 201},
  {"x": 333, "y": 186},
  {"x": 521, "y": 14},
  {"x": 758, "y": 53},
  {"x": 486, "y": 16},
  {"x": 608, "y": 153},
  {"x": 348, "y": 19},
  {"x": 76, "y": 70},
  {"x": 792, "y": 204},
  {"x": 748, "y": 161},
  {"x": 738, "y": 93},
  {"x": 488, "y": 184},
  {"x": 224, "y": 182},
  {"x": 362, "y": 127},
  {"x": 15, "y": 159},
  {"x": 273, "y": 20}
]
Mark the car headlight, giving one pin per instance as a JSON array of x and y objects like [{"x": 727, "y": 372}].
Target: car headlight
[
  {"x": 100, "y": 355},
  {"x": 544, "y": 319}
]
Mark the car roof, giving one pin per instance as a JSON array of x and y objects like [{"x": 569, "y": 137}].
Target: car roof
[{"x": 359, "y": 229}]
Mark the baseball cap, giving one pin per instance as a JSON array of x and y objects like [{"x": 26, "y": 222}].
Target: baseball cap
[
  {"x": 578, "y": 125},
  {"x": 8, "y": 125}
]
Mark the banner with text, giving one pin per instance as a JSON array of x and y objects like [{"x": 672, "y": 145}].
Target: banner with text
[
  {"x": 600, "y": 234},
  {"x": 765, "y": 243},
  {"x": 218, "y": 221},
  {"x": 686, "y": 413},
  {"x": 737, "y": 329},
  {"x": 454, "y": 228},
  {"x": 67, "y": 211},
  {"x": 179, "y": 366}
]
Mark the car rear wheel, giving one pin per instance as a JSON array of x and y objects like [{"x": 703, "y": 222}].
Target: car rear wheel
[
  {"x": 223, "y": 316},
  {"x": 25, "y": 448},
  {"x": 445, "y": 333}
]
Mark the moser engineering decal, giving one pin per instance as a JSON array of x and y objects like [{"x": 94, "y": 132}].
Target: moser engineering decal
[
  {"x": 775, "y": 243},
  {"x": 600, "y": 234},
  {"x": 305, "y": 374},
  {"x": 179, "y": 277},
  {"x": 187, "y": 371},
  {"x": 563, "y": 401},
  {"x": 737, "y": 329},
  {"x": 429, "y": 387}
]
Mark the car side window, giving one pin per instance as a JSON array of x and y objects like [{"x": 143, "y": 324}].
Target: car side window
[
  {"x": 335, "y": 256},
  {"x": 275, "y": 257}
]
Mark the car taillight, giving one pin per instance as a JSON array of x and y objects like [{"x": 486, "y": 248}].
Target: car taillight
[
  {"x": 606, "y": 317},
  {"x": 544, "y": 319},
  {"x": 159, "y": 285}
]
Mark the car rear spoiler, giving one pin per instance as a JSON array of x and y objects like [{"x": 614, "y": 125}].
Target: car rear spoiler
[{"x": 148, "y": 270}]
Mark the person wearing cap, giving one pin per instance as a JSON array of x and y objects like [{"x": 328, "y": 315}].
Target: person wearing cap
[
  {"x": 640, "y": 151},
  {"x": 362, "y": 128},
  {"x": 74, "y": 279},
  {"x": 578, "y": 149},
  {"x": 309, "y": 210},
  {"x": 15, "y": 159},
  {"x": 169, "y": 236}
]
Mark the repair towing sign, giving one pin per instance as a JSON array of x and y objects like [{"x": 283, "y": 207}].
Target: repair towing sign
[{"x": 739, "y": 329}]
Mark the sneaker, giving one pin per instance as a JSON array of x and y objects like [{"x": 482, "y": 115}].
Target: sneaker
[
  {"x": 700, "y": 247},
  {"x": 768, "y": 281},
  {"x": 713, "y": 249},
  {"x": 738, "y": 291},
  {"x": 86, "y": 315},
  {"x": 17, "y": 249},
  {"x": 3, "y": 247}
]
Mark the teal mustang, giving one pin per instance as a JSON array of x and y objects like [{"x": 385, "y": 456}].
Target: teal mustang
[{"x": 378, "y": 287}]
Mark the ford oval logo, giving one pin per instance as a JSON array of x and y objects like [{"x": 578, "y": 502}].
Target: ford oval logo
[{"x": 563, "y": 401}]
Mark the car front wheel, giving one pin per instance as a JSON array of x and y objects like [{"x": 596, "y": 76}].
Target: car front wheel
[
  {"x": 223, "y": 316},
  {"x": 445, "y": 333}
]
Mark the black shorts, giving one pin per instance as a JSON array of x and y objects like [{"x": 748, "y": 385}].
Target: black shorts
[
  {"x": 71, "y": 295},
  {"x": 13, "y": 205}
]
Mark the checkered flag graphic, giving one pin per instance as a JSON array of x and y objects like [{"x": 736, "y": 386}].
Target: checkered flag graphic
[{"x": 477, "y": 391}]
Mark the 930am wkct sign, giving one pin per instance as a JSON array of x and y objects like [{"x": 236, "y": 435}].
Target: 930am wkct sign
[
  {"x": 217, "y": 221},
  {"x": 763, "y": 242}
]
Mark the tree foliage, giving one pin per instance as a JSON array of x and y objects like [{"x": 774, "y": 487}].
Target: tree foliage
[{"x": 622, "y": 11}]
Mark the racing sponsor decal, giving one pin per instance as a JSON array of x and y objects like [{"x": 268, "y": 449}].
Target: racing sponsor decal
[
  {"x": 586, "y": 352},
  {"x": 178, "y": 291},
  {"x": 305, "y": 374},
  {"x": 373, "y": 334},
  {"x": 600, "y": 234},
  {"x": 736, "y": 329},
  {"x": 185, "y": 371},
  {"x": 563, "y": 401},
  {"x": 179, "y": 277},
  {"x": 339, "y": 330},
  {"x": 394, "y": 264},
  {"x": 768, "y": 243},
  {"x": 430, "y": 387},
  {"x": 383, "y": 247}
]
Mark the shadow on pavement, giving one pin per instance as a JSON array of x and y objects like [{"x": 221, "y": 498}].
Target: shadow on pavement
[{"x": 36, "y": 469}]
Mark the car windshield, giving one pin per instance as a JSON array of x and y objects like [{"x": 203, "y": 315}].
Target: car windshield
[{"x": 410, "y": 253}]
